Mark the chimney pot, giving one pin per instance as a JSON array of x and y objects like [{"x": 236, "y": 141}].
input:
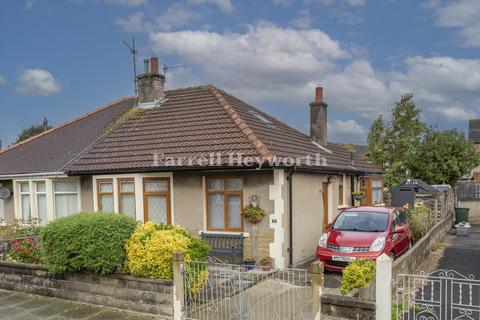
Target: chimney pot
[
  {"x": 319, "y": 94},
  {"x": 154, "y": 64},
  {"x": 318, "y": 118},
  {"x": 145, "y": 63}
]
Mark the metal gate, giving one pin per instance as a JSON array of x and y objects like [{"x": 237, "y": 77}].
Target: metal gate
[
  {"x": 224, "y": 291},
  {"x": 441, "y": 295}
]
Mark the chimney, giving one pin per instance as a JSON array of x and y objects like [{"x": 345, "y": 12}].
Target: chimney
[
  {"x": 318, "y": 118},
  {"x": 150, "y": 85}
]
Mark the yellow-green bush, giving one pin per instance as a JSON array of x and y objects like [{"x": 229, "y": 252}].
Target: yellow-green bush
[
  {"x": 151, "y": 247},
  {"x": 357, "y": 274},
  {"x": 421, "y": 219}
]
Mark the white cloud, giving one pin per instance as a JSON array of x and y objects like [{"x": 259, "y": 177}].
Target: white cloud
[
  {"x": 30, "y": 4},
  {"x": 131, "y": 3},
  {"x": 3, "y": 80},
  {"x": 132, "y": 24},
  {"x": 463, "y": 15},
  {"x": 352, "y": 3},
  {"x": 37, "y": 82},
  {"x": 347, "y": 131},
  {"x": 224, "y": 5},
  {"x": 456, "y": 113},
  {"x": 176, "y": 16},
  {"x": 303, "y": 20},
  {"x": 282, "y": 2}
]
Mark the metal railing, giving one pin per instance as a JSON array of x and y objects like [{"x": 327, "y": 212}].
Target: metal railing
[
  {"x": 441, "y": 295},
  {"x": 468, "y": 191},
  {"x": 225, "y": 291}
]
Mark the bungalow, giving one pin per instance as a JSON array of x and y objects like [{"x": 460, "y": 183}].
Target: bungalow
[{"x": 195, "y": 157}]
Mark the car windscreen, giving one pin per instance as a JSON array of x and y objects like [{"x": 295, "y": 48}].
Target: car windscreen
[{"x": 361, "y": 221}]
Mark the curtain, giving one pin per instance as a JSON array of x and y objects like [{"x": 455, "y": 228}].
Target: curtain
[
  {"x": 26, "y": 215},
  {"x": 42, "y": 209},
  {"x": 127, "y": 204},
  {"x": 157, "y": 208},
  {"x": 216, "y": 211},
  {"x": 66, "y": 204},
  {"x": 106, "y": 203},
  {"x": 234, "y": 208}
]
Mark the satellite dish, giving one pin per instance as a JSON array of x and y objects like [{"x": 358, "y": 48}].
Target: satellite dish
[{"x": 5, "y": 193}]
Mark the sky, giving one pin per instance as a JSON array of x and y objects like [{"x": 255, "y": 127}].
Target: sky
[{"x": 61, "y": 59}]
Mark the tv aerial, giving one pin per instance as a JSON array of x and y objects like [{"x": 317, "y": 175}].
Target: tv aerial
[{"x": 133, "y": 52}]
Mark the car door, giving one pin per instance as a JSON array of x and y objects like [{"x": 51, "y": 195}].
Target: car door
[{"x": 402, "y": 239}]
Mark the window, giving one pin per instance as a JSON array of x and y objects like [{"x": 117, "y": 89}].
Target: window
[
  {"x": 25, "y": 202},
  {"x": 41, "y": 202},
  {"x": 224, "y": 204},
  {"x": 156, "y": 200},
  {"x": 105, "y": 195},
  {"x": 372, "y": 188},
  {"x": 126, "y": 197},
  {"x": 65, "y": 198}
]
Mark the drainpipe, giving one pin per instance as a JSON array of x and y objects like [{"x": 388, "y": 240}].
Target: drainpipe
[
  {"x": 290, "y": 217},
  {"x": 352, "y": 188}
]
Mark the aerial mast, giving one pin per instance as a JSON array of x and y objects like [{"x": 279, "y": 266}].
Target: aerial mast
[{"x": 133, "y": 52}]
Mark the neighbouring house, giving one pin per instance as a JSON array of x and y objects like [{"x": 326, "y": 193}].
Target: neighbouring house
[{"x": 195, "y": 157}]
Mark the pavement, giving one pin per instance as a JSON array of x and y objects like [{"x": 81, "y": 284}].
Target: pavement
[{"x": 23, "y": 306}]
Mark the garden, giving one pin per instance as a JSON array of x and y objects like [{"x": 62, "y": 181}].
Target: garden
[{"x": 101, "y": 243}]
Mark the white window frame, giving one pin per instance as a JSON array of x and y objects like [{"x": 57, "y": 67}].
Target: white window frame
[
  {"x": 78, "y": 193},
  {"x": 37, "y": 193},
  {"x": 138, "y": 181},
  {"x": 30, "y": 197},
  {"x": 50, "y": 195}
]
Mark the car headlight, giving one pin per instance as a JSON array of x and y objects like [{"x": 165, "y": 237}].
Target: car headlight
[
  {"x": 323, "y": 240},
  {"x": 378, "y": 244}
]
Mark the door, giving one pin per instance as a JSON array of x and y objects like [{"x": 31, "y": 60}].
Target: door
[
  {"x": 325, "y": 205},
  {"x": 156, "y": 200}
]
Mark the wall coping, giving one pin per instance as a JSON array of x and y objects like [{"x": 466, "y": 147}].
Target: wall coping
[{"x": 118, "y": 275}]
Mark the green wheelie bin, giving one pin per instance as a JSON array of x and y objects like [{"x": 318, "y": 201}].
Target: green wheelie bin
[{"x": 461, "y": 214}]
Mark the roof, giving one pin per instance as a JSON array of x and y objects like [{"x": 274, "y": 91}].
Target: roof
[
  {"x": 196, "y": 122},
  {"x": 51, "y": 150},
  {"x": 419, "y": 185}
]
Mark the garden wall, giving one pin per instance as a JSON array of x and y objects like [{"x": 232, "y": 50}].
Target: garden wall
[
  {"x": 348, "y": 307},
  {"x": 117, "y": 290},
  {"x": 409, "y": 261}
]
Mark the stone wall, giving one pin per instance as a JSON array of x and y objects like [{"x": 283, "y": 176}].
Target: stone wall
[
  {"x": 408, "y": 262},
  {"x": 117, "y": 291},
  {"x": 347, "y": 307}
]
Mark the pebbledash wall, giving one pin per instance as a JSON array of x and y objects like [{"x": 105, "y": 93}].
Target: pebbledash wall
[{"x": 117, "y": 290}]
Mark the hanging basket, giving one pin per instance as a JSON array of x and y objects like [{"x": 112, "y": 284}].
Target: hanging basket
[{"x": 253, "y": 214}]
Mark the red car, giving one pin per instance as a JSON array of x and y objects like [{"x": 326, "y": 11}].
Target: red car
[{"x": 364, "y": 233}]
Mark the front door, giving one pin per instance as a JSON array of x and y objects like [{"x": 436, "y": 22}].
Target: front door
[
  {"x": 156, "y": 200},
  {"x": 325, "y": 205}
]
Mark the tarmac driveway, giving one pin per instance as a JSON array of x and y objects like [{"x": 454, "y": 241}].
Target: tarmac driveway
[{"x": 23, "y": 306}]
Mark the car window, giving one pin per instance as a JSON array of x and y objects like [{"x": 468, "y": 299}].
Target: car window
[{"x": 361, "y": 221}]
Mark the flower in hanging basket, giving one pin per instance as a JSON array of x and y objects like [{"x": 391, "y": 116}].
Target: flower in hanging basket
[
  {"x": 357, "y": 195},
  {"x": 253, "y": 214}
]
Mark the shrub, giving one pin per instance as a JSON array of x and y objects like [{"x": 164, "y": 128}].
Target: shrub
[
  {"x": 421, "y": 219},
  {"x": 25, "y": 251},
  {"x": 151, "y": 247},
  {"x": 357, "y": 274},
  {"x": 86, "y": 241}
]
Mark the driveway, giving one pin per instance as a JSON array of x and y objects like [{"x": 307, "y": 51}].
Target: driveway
[{"x": 23, "y": 306}]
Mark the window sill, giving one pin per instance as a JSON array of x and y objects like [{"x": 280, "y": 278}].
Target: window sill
[{"x": 245, "y": 234}]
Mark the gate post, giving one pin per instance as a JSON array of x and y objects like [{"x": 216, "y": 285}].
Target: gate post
[
  {"x": 383, "y": 284},
  {"x": 316, "y": 270},
  {"x": 178, "y": 286}
]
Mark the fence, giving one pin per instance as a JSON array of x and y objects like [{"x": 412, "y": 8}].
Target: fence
[
  {"x": 218, "y": 291},
  {"x": 441, "y": 203},
  {"x": 468, "y": 191}
]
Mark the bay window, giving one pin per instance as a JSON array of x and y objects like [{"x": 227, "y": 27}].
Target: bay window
[
  {"x": 126, "y": 197},
  {"x": 224, "y": 204},
  {"x": 65, "y": 198},
  {"x": 105, "y": 195},
  {"x": 25, "y": 207},
  {"x": 41, "y": 202}
]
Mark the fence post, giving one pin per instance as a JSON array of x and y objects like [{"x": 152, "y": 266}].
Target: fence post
[
  {"x": 178, "y": 286},
  {"x": 316, "y": 270},
  {"x": 383, "y": 284}
]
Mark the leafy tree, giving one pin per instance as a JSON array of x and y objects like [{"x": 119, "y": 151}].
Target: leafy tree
[
  {"x": 444, "y": 157},
  {"x": 406, "y": 148},
  {"x": 33, "y": 130},
  {"x": 391, "y": 145}
]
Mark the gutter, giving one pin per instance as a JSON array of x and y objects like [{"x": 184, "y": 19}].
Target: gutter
[
  {"x": 39, "y": 174},
  {"x": 290, "y": 217}
]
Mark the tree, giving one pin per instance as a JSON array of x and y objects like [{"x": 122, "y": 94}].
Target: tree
[
  {"x": 391, "y": 145},
  {"x": 444, "y": 157},
  {"x": 406, "y": 148},
  {"x": 33, "y": 130}
]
